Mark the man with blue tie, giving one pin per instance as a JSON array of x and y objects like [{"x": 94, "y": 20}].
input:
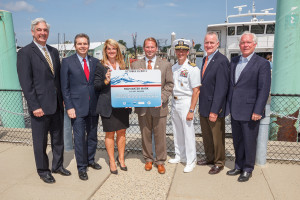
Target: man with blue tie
[
  {"x": 250, "y": 82},
  {"x": 77, "y": 84}
]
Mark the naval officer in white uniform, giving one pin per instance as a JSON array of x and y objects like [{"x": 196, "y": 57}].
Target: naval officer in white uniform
[{"x": 186, "y": 91}]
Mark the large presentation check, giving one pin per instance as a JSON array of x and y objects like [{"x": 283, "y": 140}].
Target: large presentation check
[{"x": 135, "y": 88}]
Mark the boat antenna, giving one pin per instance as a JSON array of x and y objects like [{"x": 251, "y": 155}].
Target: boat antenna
[
  {"x": 226, "y": 11},
  {"x": 240, "y": 8},
  {"x": 253, "y": 7},
  {"x": 254, "y": 19}
]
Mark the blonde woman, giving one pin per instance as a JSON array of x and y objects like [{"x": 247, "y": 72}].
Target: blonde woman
[{"x": 114, "y": 120}]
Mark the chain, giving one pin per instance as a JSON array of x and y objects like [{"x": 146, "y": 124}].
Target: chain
[
  {"x": 282, "y": 115},
  {"x": 14, "y": 113}
]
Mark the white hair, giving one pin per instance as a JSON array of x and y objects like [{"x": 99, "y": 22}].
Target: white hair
[
  {"x": 39, "y": 20},
  {"x": 213, "y": 33},
  {"x": 249, "y": 33}
]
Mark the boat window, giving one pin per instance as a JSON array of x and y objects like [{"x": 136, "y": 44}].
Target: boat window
[
  {"x": 258, "y": 29},
  {"x": 270, "y": 29},
  {"x": 233, "y": 55},
  {"x": 242, "y": 29},
  {"x": 231, "y": 30}
]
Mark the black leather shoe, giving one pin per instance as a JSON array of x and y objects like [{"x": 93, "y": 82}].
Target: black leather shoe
[
  {"x": 62, "y": 171},
  {"x": 204, "y": 162},
  {"x": 122, "y": 168},
  {"x": 95, "y": 165},
  {"x": 244, "y": 176},
  {"x": 234, "y": 172},
  {"x": 48, "y": 178},
  {"x": 215, "y": 169},
  {"x": 83, "y": 175}
]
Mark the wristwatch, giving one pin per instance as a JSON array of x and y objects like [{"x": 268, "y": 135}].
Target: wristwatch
[{"x": 191, "y": 111}]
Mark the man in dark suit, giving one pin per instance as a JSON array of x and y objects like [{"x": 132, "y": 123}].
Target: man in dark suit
[
  {"x": 249, "y": 88},
  {"x": 155, "y": 118},
  {"x": 39, "y": 69},
  {"x": 212, "y": 103},
  {"x": 77, "y": 84}
]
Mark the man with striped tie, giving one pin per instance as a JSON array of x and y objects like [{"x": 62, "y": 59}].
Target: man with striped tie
[{"x": 38, "y": 67}]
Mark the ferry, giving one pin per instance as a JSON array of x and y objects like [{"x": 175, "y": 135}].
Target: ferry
[{"x": 229, "y": 32}]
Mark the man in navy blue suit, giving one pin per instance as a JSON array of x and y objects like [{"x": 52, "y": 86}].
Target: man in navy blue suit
[
  {"x": 77, "y": 84},
  {"x": 212, "y": 103},
  {"x": 250, "y": 81}
]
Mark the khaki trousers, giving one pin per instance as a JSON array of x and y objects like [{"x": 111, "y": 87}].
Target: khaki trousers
[
  {"x": 213, "y": 134},
  {"x": 158, "y": 124}
]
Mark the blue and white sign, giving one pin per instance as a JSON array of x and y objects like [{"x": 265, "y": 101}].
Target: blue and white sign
[{"x": 135, "y": 88}]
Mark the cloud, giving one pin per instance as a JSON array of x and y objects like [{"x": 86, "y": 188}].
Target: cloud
[
  {"x": 171, "y": 5},
  {"x": 19, "y": 6}
]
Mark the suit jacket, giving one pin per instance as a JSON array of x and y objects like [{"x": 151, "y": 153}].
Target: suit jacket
[
  {"x": 104, "y": 107},
  {"x": 40, "y": 87},
  {"x": 167, "y": 85},
  {"x": 78, "y": 92},
  {"x": 251, "y": 91},
  {"x": 214, "y": 86}
]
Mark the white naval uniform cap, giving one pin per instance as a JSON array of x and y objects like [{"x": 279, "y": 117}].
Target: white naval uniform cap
[{"x": 182, "y": 44}]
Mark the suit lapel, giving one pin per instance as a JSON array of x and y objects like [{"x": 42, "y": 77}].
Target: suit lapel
[
  {"x": 143, "y": 63},
  {"x": 210, "y": 65},
  {"x": 247, "y": 67},
  {"x": 78, "y": 66},
  {"x": 157, "y": 63},
  {"x": 40, "y": 54},
  {"x": 235, "y": 62}
]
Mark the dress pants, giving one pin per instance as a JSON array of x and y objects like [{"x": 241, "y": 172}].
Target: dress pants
[
  {"x": 244, "y": 135},
  {"x": 68, "y": 136},
  {"x": 183, "y": 130},
  {"x": 40, "y": 128},
  {"x": 85, "y": 140},
  {"x": 213, "y": 134},
  {"x": 158, "y": 124}
]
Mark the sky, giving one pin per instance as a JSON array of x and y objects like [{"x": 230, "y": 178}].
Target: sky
[{"x": 119, "y": 19}]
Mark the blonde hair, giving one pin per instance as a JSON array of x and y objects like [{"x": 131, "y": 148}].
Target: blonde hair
[{"x": 119, "y": 57}]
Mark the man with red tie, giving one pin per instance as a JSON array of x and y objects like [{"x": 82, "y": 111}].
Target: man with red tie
[{"x": 77, "y": 84}]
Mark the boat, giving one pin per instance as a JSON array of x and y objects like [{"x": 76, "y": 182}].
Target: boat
[{"x": 229, "y": 32}]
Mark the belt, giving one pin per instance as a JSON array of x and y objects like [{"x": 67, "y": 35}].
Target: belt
[{"x": 181, "y": 97}]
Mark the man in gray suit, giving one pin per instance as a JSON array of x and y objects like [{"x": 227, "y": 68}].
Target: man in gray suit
[{"x": 155, "y": 118}]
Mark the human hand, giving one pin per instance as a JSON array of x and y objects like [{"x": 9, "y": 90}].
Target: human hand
[
  {"x": 107, "y": 75},
  {"x": 38, "y": 112},
  {"x": 189, "y": 116},
  {"x": 213, "y": 117},
  {"x": 71, "y": 113},
  {"x": 256, "y": 117}
]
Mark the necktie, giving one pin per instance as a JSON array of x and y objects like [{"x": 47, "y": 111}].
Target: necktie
[
  {"x": 204, "y": 66},
  {"x": 149, "y": 64},
  {"x": 48, "y": 60},
  {"x": 86, "y": 69}
]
